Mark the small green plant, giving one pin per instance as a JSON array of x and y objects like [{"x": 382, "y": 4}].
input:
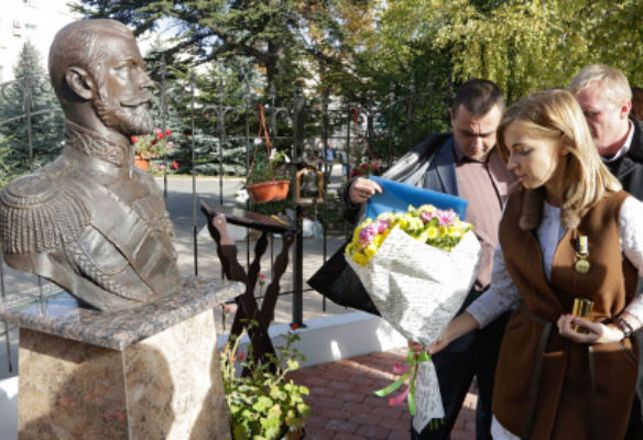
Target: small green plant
[{"x": 263, "y": 404}]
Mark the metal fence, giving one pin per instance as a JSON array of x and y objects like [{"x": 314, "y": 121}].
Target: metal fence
[{"x": 306, "y": 127}]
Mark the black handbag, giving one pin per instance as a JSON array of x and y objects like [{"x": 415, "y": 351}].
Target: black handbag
[{"x": 339, "y": 283}]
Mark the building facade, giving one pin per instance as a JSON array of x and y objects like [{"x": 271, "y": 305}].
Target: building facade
[{"x": 36, "y": 21}]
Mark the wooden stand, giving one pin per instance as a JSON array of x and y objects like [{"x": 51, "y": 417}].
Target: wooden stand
[{"x": 256, "y": 320}]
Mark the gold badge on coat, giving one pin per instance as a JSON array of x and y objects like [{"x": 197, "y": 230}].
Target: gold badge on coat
[{"x": 582, "y": 253}]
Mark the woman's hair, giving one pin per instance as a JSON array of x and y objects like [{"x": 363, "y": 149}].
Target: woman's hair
[{"x": 555, "y": 114}]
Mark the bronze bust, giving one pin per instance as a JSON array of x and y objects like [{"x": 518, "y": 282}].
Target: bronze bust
[{"x": 89, "y": 221}]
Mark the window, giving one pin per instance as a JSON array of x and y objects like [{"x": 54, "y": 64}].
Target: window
[{"x": 17, "y": 28}]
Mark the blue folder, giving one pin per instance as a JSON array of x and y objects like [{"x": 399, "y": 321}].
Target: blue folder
[{"x": 398, "y": 196}]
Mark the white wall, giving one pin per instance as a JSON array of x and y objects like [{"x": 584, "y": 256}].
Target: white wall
[{"x": 8, "y": 408}]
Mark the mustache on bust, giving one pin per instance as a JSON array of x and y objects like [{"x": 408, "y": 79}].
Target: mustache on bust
[{"x": 137, "y": 101}]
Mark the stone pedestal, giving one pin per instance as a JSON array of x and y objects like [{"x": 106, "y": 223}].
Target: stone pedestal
[{"x": 144, "y": 374}]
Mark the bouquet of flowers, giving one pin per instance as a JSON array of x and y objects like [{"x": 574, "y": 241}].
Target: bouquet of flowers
[
  {"x": 418, "y": 267},
  {"x": 439, "y": 228}
]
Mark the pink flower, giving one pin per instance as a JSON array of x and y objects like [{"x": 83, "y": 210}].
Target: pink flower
[
  {"x": 400, "y": 368},
  {"x": 427, "y": 216},
  {"x": 367, "y": 234},
  {"x": 382, "y": 225},
  {"x": 399, "y": 399},
  {"x": 446, "y": 217},
  {"x": 168, "y": 132},
  {"x": 134, "y": 139}
]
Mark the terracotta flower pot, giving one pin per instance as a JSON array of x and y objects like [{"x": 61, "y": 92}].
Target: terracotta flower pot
[
  {"x": 294, "y": 434},
  {"x": 271, "y": 191},
  {"x": 143, "y": 164}
]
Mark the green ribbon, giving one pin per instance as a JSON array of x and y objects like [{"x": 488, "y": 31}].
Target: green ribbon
[
  {"x": 412, "y": 360},
  {"x": 392, "y": 387}
]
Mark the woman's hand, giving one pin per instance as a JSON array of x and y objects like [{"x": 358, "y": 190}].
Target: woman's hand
[
  {"x": 597, "y": 333},
  {"x": 362, "y": 189},
  {"x": 416, "y": 347},
  {"x": 459, "y": 326}
]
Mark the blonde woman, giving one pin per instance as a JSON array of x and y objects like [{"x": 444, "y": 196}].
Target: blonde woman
[{"x": 568, "y": 232}]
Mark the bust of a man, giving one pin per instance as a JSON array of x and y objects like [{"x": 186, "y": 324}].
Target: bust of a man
[{"x": 89, "y": 221}]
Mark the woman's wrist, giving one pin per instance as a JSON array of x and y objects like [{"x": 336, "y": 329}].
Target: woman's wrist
[{"x": 624, "y": 326}]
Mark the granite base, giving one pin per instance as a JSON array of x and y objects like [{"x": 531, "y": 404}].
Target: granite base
[{"x": 167, "y": 386}]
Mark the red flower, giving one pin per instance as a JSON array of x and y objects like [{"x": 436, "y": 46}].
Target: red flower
[
  {"x": 294, "y": 325},
  {"x": 168, "y": 132},
  {"x": 158, "y": 133},
  {"x": 134, "y": 139},
  {"x": 174, "y": 165}
]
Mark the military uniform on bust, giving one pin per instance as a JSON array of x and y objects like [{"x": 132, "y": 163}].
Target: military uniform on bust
[{"x": 91, "y": 223}]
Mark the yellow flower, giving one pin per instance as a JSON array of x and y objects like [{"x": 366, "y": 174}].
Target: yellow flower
[
  {"x": 432, "y": 232},
  {"x": 370, "y": 250},
  {"x": 360, "y": 258},
  {"x": 427, "y": 208},
  {"x": 454, "y": 232}
]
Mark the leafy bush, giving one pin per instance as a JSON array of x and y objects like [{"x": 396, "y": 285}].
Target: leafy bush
[{"x": 263, "y": 404}]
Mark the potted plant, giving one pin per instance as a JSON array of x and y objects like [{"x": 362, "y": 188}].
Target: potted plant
[
  {"x": 151, "y": 146},
  {"x": 266, "y": 181},
  {"x": 263, "y": 404}
]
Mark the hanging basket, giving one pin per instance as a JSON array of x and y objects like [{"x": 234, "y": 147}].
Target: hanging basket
[
  {"x": 268, "y": 190},
  {"x": 271, "y": 191}
]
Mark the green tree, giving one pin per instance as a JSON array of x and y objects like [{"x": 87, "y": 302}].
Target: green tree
[
  {"x": 277, "y": 35},
  {"x": 6, "y": 165},
  {"x": 30, "y": 110},
  {"x": 523, "y": 45}
]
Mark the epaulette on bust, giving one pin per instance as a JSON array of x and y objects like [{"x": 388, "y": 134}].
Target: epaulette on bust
[{"x": 39, "y": 213}]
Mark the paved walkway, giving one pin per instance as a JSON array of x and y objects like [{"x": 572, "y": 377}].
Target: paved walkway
[{"x": 344, "y": 407}]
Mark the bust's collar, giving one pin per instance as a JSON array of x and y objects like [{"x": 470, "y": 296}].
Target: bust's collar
[{"x": 95, "y": 145}]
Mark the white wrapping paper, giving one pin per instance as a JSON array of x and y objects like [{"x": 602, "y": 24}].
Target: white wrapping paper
[{"x": 418, "y": 289}]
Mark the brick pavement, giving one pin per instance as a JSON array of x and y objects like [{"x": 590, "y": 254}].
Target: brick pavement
[{"x": 344, "y": 407}]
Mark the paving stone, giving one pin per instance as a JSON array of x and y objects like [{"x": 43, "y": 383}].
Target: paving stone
[
  {"x": 373, "y": 432},
  {"x": 344, "y": 407}
]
